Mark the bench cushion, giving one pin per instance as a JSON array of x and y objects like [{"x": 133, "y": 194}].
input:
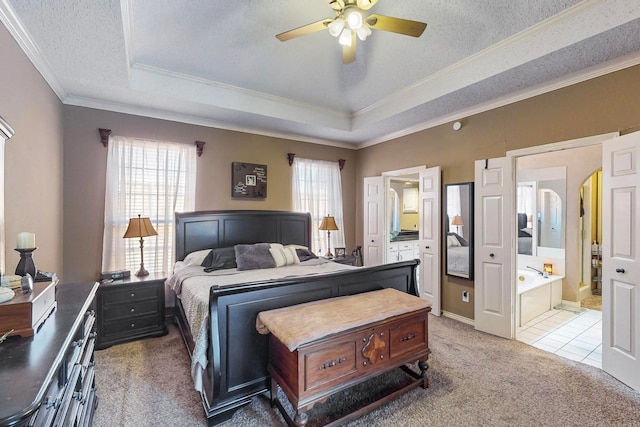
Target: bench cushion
[{"x": 304, "y": 323}]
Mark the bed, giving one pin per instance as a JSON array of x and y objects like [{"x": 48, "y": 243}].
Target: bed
[
  {"x": 236, "y": 354},
  {"x": 458, "y": 255}
]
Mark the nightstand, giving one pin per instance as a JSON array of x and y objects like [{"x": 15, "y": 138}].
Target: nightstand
[
  {"x": 130, "y": 309},
  {"x": 347, "y": 260}
]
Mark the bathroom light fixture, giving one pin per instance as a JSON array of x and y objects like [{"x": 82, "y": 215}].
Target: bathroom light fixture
[{"x": 457, "y": 125}]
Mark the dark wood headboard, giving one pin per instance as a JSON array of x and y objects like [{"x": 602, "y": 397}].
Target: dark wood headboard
[{"x": 219, "y": 229}]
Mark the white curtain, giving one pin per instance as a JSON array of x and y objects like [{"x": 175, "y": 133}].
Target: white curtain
[
  {"x": 454, "y": 206},
  {"x": 317, "y": 189},
  {"x": 149, "y": 178}
]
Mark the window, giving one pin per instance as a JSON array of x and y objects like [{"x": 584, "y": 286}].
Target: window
[
  {"x": 152, "y": 179},
  {"x": 5, "y": 133},
  {"x": 317, "y": 189}
]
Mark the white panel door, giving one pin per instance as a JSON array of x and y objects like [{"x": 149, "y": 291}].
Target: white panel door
[
  {"x": 429, "y": 238},
  {"x": 373, "y": 245},
  {"x": 621, "y": 259},
  {"x": 493, "y": 264}
]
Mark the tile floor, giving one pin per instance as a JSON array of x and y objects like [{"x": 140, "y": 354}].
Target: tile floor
[{"x": 576, "y": 336}]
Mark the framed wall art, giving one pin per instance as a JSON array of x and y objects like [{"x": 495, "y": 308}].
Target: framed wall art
[{"x": 248, "y": 180}]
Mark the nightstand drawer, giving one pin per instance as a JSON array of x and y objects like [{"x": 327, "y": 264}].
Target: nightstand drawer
[
  {"x": 126, "y": 326},
  {"x": 133, "y": 309},
  {"x": 131, "y": 293}
]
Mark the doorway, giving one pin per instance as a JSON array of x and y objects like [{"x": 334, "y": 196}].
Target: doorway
[{"x": 564, "y": 206}]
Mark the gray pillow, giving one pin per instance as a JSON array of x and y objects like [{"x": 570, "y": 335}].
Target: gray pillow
[
  {"x": 252, "y": 257},
  {"x": 220, "y": 258}
]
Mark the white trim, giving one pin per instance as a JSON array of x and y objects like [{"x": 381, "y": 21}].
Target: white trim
[
  {"x": 458, "y": 317},
  {"x": 28, "y": 46},
  {"x": 405, "y": 171},
  {"x": 564, "y": 145},
  {"x": 6, "y": 131}
]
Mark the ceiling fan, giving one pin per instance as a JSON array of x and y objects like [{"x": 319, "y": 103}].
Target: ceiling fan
[{"x": 351, "y": 22}]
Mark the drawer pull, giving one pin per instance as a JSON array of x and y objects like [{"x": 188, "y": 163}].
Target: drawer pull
[
  {"x": 133, "y": 294},
  {"x": 133, "y": 310},
  {"x": 332, "y": 363},
  {"x": 133, "y": 325},
  {"x": 408, "y": 337}
]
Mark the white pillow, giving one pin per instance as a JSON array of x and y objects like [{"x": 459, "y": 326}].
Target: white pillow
[
  {"x": 453, "y": 241},
  {"x": 196, "y": 257},
  {"x": 283, "y": 255}
]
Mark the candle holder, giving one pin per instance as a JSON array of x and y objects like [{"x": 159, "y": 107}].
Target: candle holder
[{"x": 26, "y": 264}]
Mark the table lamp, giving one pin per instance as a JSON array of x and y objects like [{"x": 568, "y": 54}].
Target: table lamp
[
  {"x": 140, "y": 227},
  {"x": 457, "y": 221},
  {"x": 328, "y": 223}
]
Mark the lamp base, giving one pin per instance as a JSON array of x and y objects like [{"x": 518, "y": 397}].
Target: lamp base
[
  {"x": 328, "y": 255},
  {"x": 142, "y": 272}
]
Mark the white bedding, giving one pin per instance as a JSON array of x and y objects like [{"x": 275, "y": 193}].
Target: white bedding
[{"x": 191, "y": 284}]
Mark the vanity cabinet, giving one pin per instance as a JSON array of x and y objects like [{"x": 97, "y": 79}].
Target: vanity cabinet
[{"x": 402, "y": 251}]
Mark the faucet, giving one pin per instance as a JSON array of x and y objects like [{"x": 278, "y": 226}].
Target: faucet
[{"x": 542, "y": 273}]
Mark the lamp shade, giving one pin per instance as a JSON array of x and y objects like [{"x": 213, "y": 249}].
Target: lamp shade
[
  {"x": 140, "y": 227},
  {"x": 457, "y": 220},
  {"x": 328, "y": 223}
]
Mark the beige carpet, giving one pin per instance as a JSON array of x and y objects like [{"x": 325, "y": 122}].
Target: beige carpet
[{"x": 476, "y": 380}]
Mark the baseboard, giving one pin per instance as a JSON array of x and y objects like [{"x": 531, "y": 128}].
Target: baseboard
[{"x": 458, "y": 318}]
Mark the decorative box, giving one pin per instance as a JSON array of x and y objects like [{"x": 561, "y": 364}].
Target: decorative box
[{"x": 24, "y": 313}]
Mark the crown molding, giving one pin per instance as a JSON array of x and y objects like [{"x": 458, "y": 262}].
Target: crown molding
[{"x": 28, "y": 46}]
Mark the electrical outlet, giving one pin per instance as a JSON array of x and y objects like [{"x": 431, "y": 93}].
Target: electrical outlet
[{"x": 465, "y": 296}]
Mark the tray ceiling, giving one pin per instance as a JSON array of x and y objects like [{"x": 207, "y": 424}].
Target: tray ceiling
[{"x": 219, "y": 64}]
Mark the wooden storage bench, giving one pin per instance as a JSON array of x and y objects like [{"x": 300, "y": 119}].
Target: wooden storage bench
[{"x": 320, "y": 348}]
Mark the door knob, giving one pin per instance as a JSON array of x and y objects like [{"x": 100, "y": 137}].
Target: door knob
[
  {"x": 491, "y": 255},
  {"x": 619, "y": 270},
  {"x": 426, "y": 247}
]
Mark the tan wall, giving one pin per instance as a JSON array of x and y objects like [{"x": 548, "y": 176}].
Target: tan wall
[
  {"x": 598, "y": 106},
  {"x": 33, "y": 158},
  {"x": 85, "y": 169}
]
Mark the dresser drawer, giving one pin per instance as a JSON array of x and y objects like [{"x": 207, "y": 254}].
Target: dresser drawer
[
  {"x": 409, "y": 336},
  {"x": 133, "y": 309},
  {"x": 127, "y": 326},
  {"x": 130, "y": 293},
  {"x": 329, "y": 364}
]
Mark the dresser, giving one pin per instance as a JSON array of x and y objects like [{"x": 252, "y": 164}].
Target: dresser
[
  {"x": 48, "y": 378},
  {"x": 130, "y": 309}
]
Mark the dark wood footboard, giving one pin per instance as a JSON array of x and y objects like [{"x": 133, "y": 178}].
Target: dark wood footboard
[{"x": 238, "y": 354}]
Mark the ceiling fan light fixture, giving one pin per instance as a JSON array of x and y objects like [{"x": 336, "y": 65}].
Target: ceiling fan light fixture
[
  {"x": 336, "y": 27},
  {"x": 355, "y": 19},
  {"x": 363, "y": 33},
  {"x": 345, "y": 37}
]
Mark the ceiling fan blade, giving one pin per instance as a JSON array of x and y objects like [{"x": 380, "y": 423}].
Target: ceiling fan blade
[
  {"x": 396, "y": 25},
  {"x": 304, "y": 30},
  {"x": 336, "y": 5},
  {"x": 349, "y": 52},
  {"x": 366, "y": 4}
]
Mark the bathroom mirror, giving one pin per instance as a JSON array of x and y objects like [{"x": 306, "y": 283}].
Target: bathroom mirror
[
  {"x": 540, "y": 222},
  {"x": 458, "y": 207}
]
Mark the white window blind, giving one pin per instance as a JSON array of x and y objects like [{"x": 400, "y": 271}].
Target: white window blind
[
  {"x": 149, "y": 178},
  {"x": 317, "y": 189}
]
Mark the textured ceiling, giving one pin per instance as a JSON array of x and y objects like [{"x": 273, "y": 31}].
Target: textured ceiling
[{"x": 219, "y": 64}]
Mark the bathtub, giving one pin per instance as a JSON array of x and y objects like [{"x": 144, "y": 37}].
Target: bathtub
[{"x": 536, "y": 294}]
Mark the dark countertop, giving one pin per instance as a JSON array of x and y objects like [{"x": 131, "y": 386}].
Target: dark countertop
[
  {"x": 403, "y": 236},
  {"x": 27, "y": 365}
]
